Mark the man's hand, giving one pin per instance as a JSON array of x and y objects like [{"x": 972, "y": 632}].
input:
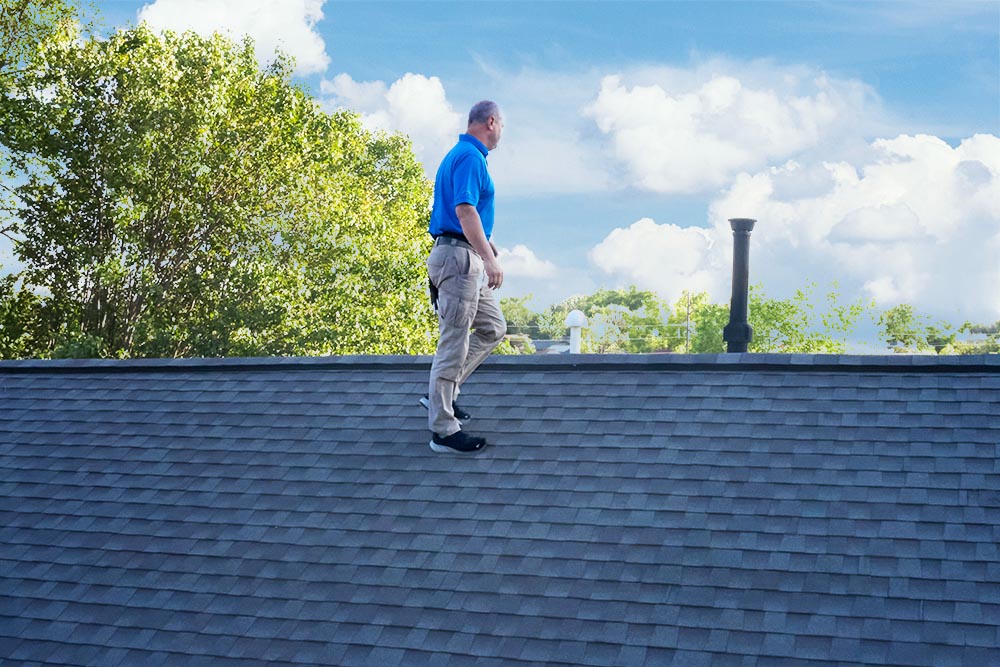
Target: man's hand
[
  {"x": 493, "y": 272},
  {"x": 472, "y": 227}
]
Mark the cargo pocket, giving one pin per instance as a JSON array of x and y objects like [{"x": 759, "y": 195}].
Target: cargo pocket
[
  {"x": 455, "y": 271},
  {"x": 436, "y": 265},
  {"x": 457, "y": 299}
]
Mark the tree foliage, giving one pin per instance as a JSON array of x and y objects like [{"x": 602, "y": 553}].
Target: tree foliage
[
  {"x": 795, "y": 325},
  {"x": 637, "y": 323},
  {"x": 903, "y": 329},
  {"x": 698, "y": 324},
  {"x": 24, "y": 24},
  {"x": 177, "y": 200},
  {"x": 907, "y": 331},
  {"x": 521, "y": 320},
  {"x": 620, "y": 320},
  {"x": 989, "y": 344},
  {"x": 23, "y": 320},
  {"x": 632, "y": 320}
]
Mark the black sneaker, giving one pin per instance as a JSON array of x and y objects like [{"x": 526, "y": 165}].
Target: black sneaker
[
  {"x": 460, "y": 414},
  {"x": 458, "y": 442}
]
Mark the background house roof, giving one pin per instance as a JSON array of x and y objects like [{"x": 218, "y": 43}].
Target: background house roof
[{"x": 641, "y": 510}]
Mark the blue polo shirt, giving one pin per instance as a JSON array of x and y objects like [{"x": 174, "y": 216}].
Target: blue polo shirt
[{"x": 462, "y": 178}]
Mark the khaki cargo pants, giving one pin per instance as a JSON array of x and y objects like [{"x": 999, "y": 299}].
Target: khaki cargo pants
[{"x": 464, "y": 302}]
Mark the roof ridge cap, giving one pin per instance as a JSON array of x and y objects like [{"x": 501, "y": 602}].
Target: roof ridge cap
[{"x": 989, "y": 363}]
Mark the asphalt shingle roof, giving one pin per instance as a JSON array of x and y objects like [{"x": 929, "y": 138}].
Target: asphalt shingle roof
[{"x": 660, "y": 510}]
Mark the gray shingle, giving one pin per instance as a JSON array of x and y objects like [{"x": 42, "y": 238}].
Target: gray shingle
[{"x": 803, "y": 510}]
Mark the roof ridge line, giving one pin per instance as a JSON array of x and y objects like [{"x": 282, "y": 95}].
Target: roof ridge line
[{"x": 898, "y": 363}]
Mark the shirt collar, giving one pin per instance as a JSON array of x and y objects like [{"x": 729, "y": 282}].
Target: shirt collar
[{"x": 475, "y": 142}]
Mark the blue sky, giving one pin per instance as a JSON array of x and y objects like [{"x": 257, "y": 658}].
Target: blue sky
[{"x": 862, "y": 136}]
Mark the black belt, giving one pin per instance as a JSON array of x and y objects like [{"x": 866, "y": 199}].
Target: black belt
[{"x": 450, "y": 238}]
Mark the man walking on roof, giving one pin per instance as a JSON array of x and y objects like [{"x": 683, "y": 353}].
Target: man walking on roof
[{"x": 463, "y": 272}]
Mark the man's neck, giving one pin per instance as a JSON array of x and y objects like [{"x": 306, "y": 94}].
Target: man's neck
[{"x": 480, "y": 133}]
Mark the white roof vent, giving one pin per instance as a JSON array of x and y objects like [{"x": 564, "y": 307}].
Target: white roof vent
[{"x": 576, "y": 320}]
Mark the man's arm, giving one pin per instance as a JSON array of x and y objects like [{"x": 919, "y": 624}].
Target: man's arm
[{"x": 472, "y": 227}]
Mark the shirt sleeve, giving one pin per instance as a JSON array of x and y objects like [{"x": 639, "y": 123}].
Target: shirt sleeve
[{"x": 467, "y": 180}]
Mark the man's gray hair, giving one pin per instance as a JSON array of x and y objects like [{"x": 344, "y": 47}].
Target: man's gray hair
[{"x": 481, "y": 112}]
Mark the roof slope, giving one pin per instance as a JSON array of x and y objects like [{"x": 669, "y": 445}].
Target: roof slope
[{"x": 706, "y": 510}]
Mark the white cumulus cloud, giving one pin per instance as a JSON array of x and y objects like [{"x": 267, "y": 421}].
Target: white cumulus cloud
[
  {"x": 686, "y": 131},
  {"x": 664, "y": 130},
  {"x": 543, "y": 150},
  {"x": 521, "y": 262},
  {"x": 884, "y": 223},
  {"x": 415, "y": 105},
  {"x": 661, "y": 257},
  {"x": 288, "y": 26},
  {"x": 917, "y": 221},
  {"x": 527, "y": 274}
]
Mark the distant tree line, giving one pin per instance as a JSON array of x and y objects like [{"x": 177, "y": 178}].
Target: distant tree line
[{"x": 635, "y": 321}]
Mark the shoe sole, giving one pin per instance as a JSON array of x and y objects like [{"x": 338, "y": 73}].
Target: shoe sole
[
  {"x": 424, "y": 402},
  {"x": 443, "y": 449}
]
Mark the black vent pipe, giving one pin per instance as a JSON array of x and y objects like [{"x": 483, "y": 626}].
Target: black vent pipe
[{"x": 738, "y": 333}]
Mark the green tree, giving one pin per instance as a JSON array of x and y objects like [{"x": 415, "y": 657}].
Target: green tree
[
  {"x": 697, "y": 324},
  {"x": 630, "y": 298},
  {"x": 794, "y": 325},
  {"x": 521, "y": 320},
  {"x": 607, "y": 330},
  {"x": 635, "y": 321},
  {"x": 989, "y": 329},
  {"x": 552, "y": 320},
  {"x": 988, "y": 345},
  {"x": 905, "y": 330},
  {"x": 941, "y": 337},
  {"x": 515, "y": 344},
  {"x": 23, "y": 319},
  {"x": 179, "y": 201},
  {"x": 25, "y": 24},
  {"x": 621, "y": 320},
  {"x": 779, "y": 325}
]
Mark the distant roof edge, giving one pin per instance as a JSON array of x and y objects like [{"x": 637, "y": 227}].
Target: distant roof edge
[{"x": 989, "y": 363}]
